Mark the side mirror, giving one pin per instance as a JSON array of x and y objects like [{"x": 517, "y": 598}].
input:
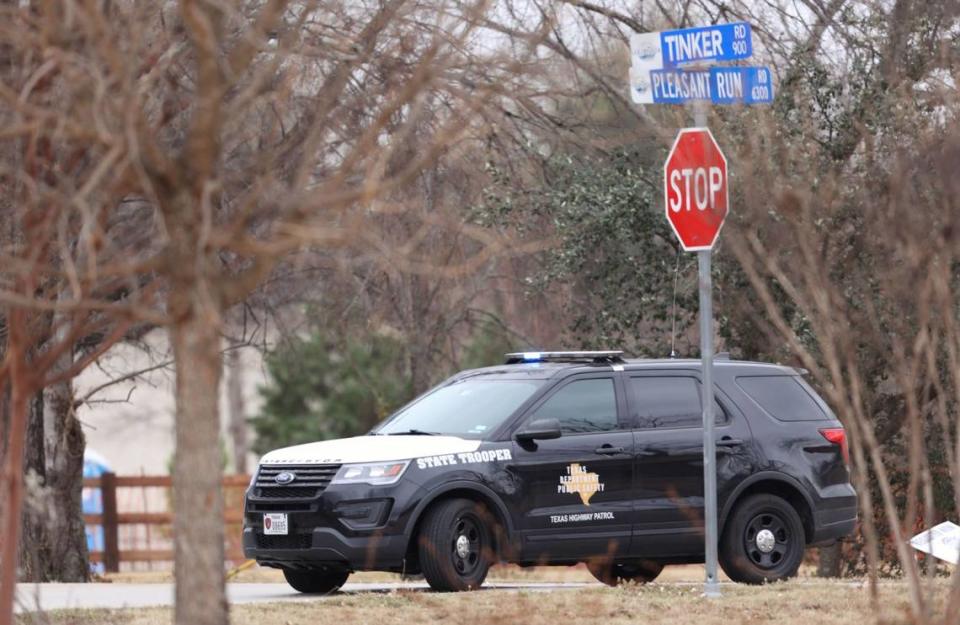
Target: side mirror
[{"x": 541, "y": 429}]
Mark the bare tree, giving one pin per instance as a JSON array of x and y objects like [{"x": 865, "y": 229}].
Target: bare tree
[
  {"x": 246, "y": 132},
  {"x": 851, "y": 251}
]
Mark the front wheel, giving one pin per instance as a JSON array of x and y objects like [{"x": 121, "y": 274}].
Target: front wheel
[
  {"x": 616, "y": 573},
  {"x": 763, "y": 541},
  {"x": 317, "y": 581},
  {"x": 456, "y": 545}
]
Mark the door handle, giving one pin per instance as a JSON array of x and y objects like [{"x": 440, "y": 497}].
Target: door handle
[
  {"x": 607, "y": 450},
  {"x": 729, "y": 442}
]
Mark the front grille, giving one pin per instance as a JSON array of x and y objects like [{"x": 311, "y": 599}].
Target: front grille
[
  {"x": 287, "y": 492},
  {"x": 309, "y": 480},
  {"x": 291, "y": 541}
]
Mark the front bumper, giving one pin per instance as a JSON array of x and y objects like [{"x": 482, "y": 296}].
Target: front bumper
[{"x": 376, "y": 551}]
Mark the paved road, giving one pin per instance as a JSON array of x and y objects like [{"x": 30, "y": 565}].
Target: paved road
[{"x": 31, "y": 597}]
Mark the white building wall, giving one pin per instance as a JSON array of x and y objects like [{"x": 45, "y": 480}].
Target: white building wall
[{"x": 131, "y": 423}]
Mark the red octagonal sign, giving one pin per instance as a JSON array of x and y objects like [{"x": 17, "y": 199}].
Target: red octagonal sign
[{"x": 695, "y": 188}]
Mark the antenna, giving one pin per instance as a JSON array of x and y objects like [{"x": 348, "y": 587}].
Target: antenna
[{"x": 673, "y": 312}]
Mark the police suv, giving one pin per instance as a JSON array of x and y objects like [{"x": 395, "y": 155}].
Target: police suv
[{"x": 560, "y": 458}]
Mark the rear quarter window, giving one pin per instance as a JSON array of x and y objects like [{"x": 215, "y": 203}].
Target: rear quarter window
[{"x": 783, "y": 397}]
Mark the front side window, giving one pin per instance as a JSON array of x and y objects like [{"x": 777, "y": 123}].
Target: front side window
[
  {"x": 582, "y": 406},
  {"x": 471, "y": 408},
  {"x": 669, "y": 402}
]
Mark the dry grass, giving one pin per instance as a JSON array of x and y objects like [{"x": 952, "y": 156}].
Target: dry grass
[{"x": 799, "y": 602}]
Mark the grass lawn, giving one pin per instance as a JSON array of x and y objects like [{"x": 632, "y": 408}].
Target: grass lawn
[{"x": 801, "y": 602}]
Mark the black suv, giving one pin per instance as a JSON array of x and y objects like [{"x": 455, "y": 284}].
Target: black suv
[{"x": 560, "y": 458}]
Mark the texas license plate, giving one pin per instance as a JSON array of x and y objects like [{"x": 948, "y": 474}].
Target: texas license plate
[{"x": 276, "y": 523}]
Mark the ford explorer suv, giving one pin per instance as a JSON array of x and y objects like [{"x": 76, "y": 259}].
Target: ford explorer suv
[{"x": 560, "y": 458}]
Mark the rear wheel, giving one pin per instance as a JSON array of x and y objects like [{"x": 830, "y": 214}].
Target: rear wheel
[
  {"x": 634, "y": 571},
  {"x": 456, "y": 545},
  {"x": 317, "y": 581},
  {"x": 763, "y": 541}
]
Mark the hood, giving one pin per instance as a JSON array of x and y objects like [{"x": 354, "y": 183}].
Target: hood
[{"x": 370, "y": 449}]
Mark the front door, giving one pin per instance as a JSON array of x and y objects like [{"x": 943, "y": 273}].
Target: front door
[
  {"x": 575, "y": 494},
  {"x": 667, "y": 416}
]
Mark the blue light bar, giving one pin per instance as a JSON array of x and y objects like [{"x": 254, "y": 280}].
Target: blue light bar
[{"x": 604, "y": 357}]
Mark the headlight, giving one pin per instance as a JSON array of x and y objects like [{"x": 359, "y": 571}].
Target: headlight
[
  {"x": 373, "y": 473},
  {"x": 253, "y": 478}
]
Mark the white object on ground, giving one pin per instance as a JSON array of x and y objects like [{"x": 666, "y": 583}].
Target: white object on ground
[{"x": 941, "y": 541}]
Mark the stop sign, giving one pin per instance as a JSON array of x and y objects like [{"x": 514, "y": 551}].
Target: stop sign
[{"x": 695, "y": 188}]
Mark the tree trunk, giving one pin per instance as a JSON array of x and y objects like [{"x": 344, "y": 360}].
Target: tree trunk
[
  {"x": 33, "y": 550},
  {"x": 53, "y": 545},
  {"x": 197, "y": 496},
  {"x": 238, "y": 420},
  {"x": 13, "y": 463},
  {"x": 830, "y": 561},
  {"x": 66, "y": 538}
]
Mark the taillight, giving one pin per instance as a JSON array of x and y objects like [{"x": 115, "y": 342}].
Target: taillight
[{"x": 838, "y": 436}]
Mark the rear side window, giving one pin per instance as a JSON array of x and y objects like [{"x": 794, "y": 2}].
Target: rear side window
[
  {"x": 783, "y": 397},
  {"x": 669, "y": 402},
  {"x": 582, "y": 406}
]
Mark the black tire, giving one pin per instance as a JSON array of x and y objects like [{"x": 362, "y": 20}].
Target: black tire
[
  {"x": 632, "y": 572},
  {"x": 763, "y": 541},
  {"x": 317, "y": 581},
  {"x": 455, "y": 545}
]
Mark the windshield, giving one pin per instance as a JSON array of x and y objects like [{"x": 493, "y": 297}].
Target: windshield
[{"x": 472, "y": 408}]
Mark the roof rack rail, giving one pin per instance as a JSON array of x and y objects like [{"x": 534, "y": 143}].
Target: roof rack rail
[{"x": 594, "y": 357}]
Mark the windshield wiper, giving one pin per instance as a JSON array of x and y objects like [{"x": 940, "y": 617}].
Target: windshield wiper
[{"x": 412, "y": 432}]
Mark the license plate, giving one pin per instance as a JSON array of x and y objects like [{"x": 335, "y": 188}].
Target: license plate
[{"x": 276, "y": 523}]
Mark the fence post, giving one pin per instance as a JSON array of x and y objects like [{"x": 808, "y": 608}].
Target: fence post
[{"x": 111, "y": 550}]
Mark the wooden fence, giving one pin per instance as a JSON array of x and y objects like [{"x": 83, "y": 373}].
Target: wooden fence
[{"x": 112, "y": 518}]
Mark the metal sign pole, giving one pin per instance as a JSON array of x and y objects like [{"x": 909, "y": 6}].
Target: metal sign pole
[{"x": 711, "y": 587}]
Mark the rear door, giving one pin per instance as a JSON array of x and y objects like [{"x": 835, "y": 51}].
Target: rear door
[
  {"x": 667, "y": 416},
  {"x": 575, "y": 498}
]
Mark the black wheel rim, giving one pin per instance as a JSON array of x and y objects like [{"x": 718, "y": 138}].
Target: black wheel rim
[
  {"x": 466, "y": 546},
  {"x": 767, "y": 540}
]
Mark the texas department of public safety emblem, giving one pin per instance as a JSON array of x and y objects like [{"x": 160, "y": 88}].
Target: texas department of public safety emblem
[{"x": 580, "y": 481}]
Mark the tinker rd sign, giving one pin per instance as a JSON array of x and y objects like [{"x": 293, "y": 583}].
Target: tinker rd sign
[
  {"x": 695, "y": 188},
  {"x": 722, "y": 42}
]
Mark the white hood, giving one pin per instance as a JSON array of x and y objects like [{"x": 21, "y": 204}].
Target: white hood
[{"x": 370, "y": 449}]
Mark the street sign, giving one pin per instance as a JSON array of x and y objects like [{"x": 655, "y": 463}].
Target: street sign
[
  {"x": 677, "y": 86},
  {"x": 667, "y": 50},
  {"x": 695, "y": 188},
  {"x": 719, "y": 85},
  {"x": 720, "y": 42},
  {"x": 741, "y": 85}
]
